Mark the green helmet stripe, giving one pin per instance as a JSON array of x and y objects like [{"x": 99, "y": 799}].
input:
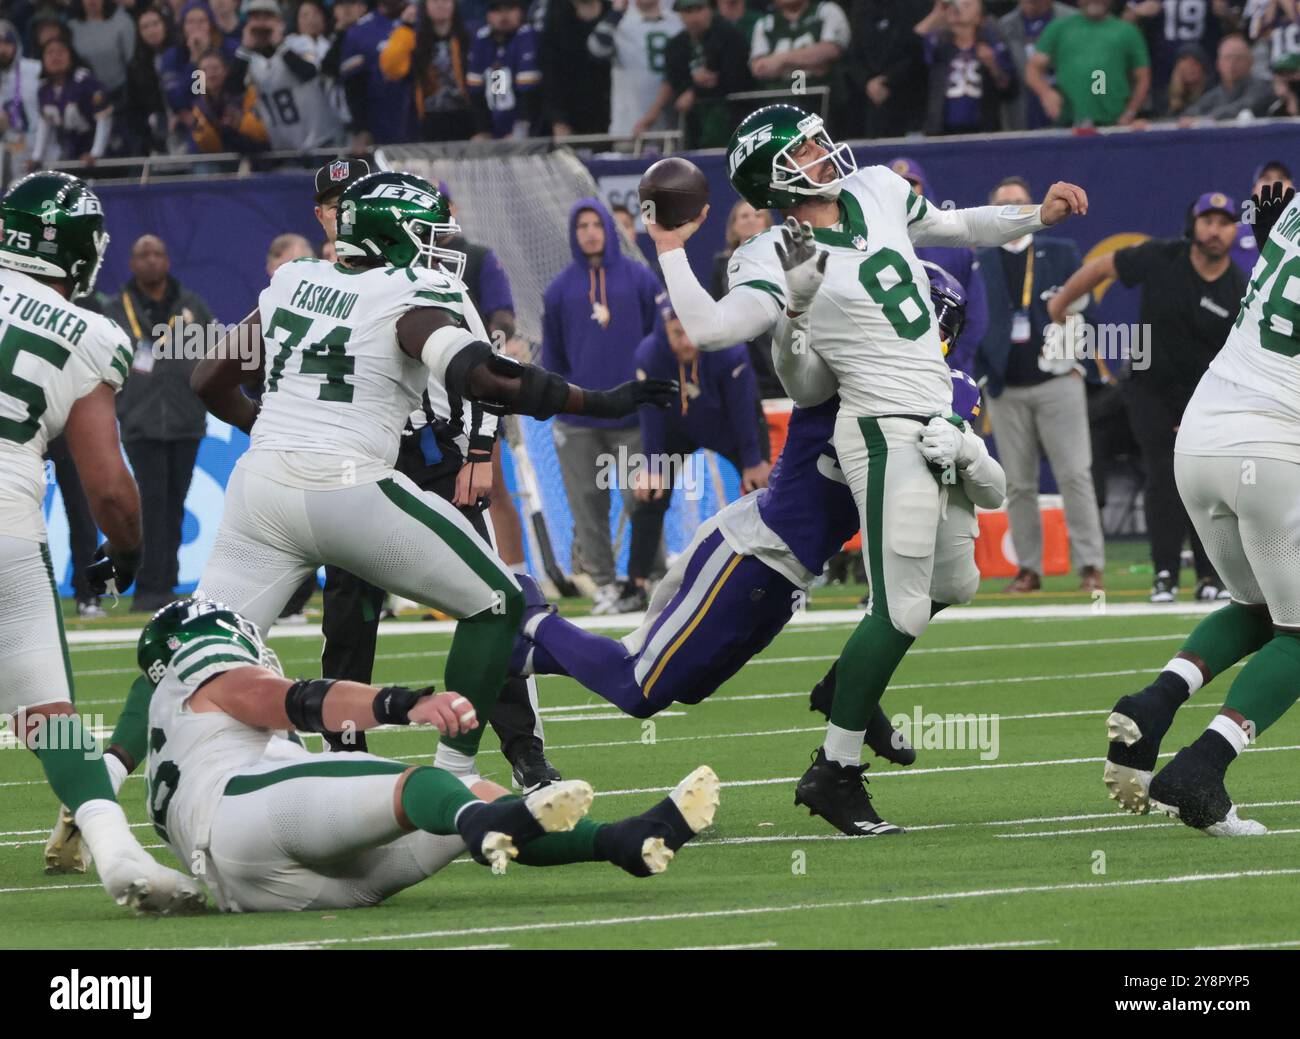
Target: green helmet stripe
[{"x": 199, "y": 645}]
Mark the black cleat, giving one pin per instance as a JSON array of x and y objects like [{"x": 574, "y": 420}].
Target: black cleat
[
  {"x": 644, "y": 844},
  {"x": 495, "y": 832},
  {"x": 530, "y": 769},
  {"x": 1191, "y": 789},
  {"x": 1135, "y": 728},
  {"x": 884, "y": 740},
  {"x": 838, "y": 793}
]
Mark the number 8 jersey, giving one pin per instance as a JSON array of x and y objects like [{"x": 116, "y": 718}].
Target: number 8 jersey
[
  {"x": 336, "y": 382},
  {"x": 52, "y": 353},
  {"x": 871, "y": 322}
]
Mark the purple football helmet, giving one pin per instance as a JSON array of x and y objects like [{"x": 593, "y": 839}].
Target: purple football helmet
[
  {"x": 965, "y": 396},
  {"x": 949, "y": 299}
]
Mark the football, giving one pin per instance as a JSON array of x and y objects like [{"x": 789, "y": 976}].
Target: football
[{"x": 676, "y": 190}]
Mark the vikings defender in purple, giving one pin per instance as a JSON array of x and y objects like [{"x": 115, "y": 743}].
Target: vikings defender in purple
[{"x": 743, "y": 577}]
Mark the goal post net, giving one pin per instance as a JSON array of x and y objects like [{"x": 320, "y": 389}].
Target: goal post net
[{"x": 514, "y": 198}]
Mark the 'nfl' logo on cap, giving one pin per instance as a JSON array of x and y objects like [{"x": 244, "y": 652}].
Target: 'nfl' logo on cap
[{"x": 339, "y": 170}]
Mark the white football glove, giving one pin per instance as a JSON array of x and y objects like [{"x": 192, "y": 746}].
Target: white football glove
[
  {"x": 944, "y": 445},
  {"x": 803, "y": 263}
]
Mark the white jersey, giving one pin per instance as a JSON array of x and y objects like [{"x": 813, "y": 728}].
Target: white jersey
[
  {"x": 193, "y": 755},
  {"x": 872, "y": 321},
  {"x": 52, "y": 353},
  {"x": 1248, "y": 403},
  {"x": 336, "y": 381},
  {"x": 299, "y": 114},
  {"x": 640, "y": 43}
]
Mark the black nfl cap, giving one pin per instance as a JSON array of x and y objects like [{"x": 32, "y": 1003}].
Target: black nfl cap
[{"x": 337, "y": 175}]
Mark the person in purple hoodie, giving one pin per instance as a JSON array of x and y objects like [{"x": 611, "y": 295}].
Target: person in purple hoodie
[
  {"x": 718, "y": 402},
  {"x": 962, "y": 265},
  {"x": 594, "y": 314}
]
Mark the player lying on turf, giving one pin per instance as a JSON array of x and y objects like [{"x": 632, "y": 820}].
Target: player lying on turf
[
  {"x": 349, "y": 347},
  {"x": 268, "y": 825},
  {"x": 749, "y": 569},
  {"x": 840, "y": 287},
  {"x": 1237, "y": 463},
  {"x": 61, "y": 367}
]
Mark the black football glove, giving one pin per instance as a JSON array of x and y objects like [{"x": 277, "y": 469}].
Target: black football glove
[
  {"x": 625, "y": 399},
  {"x": 1269, "y": 204},
  {"x": 111, "y": 571}
]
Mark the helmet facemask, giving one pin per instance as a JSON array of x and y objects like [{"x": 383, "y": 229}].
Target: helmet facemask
[
  {"x": 789, "y": 175},
  {"x": 425, "y": 235},
  {"x": 83, "y": 280}
]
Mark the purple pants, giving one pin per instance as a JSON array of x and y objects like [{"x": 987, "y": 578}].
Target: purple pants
[{"x": 728, "y": 608}]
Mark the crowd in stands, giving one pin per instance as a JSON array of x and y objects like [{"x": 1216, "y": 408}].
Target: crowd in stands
[{"x": 83, "y": 80}]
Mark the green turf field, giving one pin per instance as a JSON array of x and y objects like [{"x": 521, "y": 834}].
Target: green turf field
[{"x": 1018, "y": 849}]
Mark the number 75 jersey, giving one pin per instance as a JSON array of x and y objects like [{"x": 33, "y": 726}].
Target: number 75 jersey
[
  {"x": 336, "y": 382},
  {"x": 52, "y": 353},
  {"x": 871, "y": 321}
]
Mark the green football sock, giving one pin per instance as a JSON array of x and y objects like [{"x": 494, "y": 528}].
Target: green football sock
[
  {"x": 431, "y": 798},
  {"x": 560, "y": 849},
  {"x": 479, "y": 663},
  {"x": 1269, "y": 684},
  {"x": 131, "y": 733},
  {"x": 73, "y": 762},
  {"x": 865, "y": 666},
  {"x": 1228, "y": 635}
]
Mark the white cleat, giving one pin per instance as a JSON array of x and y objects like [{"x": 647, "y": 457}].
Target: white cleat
[
  {"x": 134, "y": 879},
  {"x": 697, "y": 798},
  {"x": 1235, "y": 826},
  {"x": 558, "y": 807},
  {"x": 65, "y": 851},
  {"x": 656, "y": 854},
  {"x": 1129, "y": 786},
  {"x": 499, "y": 848}
]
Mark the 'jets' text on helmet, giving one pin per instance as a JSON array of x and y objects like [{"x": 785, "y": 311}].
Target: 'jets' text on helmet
[
  {"x": 52, "y": 226},
  {"x": 188, "y": 621},
  {"x": 761, "y": 163},
  {"x": 397, "y": 218}
]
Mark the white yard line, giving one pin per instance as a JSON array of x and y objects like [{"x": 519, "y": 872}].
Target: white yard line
[
  {"x": 798, "y": 907},
  {"x": 769, "y": 944},
  {"x": 991, "y": 945}
]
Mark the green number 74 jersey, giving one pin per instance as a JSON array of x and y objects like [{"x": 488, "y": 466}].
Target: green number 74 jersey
[
  {"x": 52, "y": 353},
  {"x": 336, "y": 381}
]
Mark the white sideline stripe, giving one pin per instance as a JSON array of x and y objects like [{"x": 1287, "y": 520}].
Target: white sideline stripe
[
  {"x": 803, "y": 618},
  {"x": 769, "y": 944},
  {"x": 982, "y": 648},
  {"x": 797, "y": 907},
  {"x": 990, "y": 945}
]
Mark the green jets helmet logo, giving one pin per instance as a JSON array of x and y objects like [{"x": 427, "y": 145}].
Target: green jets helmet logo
[
  {"x": 746, "y": 145},
  {"x": 403, "y": 193}
]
